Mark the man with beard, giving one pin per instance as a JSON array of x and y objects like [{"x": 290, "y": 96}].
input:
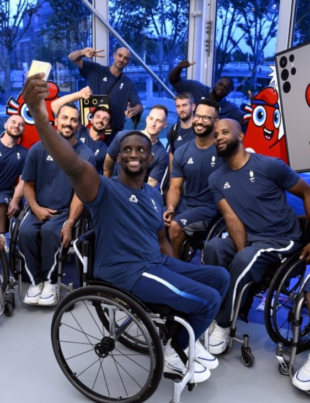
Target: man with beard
[
  {"x": 193, "y": 162},
  {"x": 101, "y": 120},
  {"x": 249, "y": 190},
  {"x": 134, "y": 253},
  {"x": 110, "y": 80},
  {"x": 156, "y": 121},
  {"x": 54, "y": 208},
  {"x": 200, "y": 91},
  {"x": 12, "y": 160}
]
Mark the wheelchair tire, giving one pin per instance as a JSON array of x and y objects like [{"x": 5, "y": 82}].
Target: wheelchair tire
[
  {"x": 280, "y": 302},
  {"x": 91, "y": 356},
  {"x": 4, "y": 270}
]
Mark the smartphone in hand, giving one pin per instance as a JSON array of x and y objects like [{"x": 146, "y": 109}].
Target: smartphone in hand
[{"x": 39, "y": 67}]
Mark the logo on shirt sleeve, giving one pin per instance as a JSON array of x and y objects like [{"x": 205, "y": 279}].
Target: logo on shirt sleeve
[
  {"x": 226, "y": 186},
  {"x": 154, "y": 204},
  {"x": 183, "y": 221},
  {"x": 190, "y": 161},
  {"x": 133, "y": 199}
]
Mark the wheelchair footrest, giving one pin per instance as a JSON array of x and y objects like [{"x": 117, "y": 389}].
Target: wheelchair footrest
[{"x": 169, "y": 375}]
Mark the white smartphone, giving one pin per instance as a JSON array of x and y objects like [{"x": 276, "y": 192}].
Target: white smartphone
[{"x": 39, "y": 67}]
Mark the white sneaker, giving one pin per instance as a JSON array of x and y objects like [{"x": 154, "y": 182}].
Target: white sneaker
[
  {"x": 174, "y": 365},
  {"x": 301, "y": 379},
  {"x": 203, "y": 356},
  {"x": 49, "y": 294},
  {"x": 5, "y": 246},
  {"x": 218, "y": 340},
  {"x": 33, "y": 294}
]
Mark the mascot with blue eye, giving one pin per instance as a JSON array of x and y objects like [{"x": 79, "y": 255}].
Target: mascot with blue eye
[
  {"x": 19, "y": 107},
  {"x": 264, "y": 119}
]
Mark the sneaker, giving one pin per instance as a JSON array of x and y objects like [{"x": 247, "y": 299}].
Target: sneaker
[
  {"x": 218, "y": 340},
  {"x": 203, "y": 356},
  {"x": 6, "y": 246},
  {"x": 301, "y": 379},
  {"x": 49, "y": 294},
  {"x": 33, "y": 294},
  {"x": 175, "y": 366}
]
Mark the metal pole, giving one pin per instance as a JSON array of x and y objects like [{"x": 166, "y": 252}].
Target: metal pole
[{"x": 123, "y": 42}]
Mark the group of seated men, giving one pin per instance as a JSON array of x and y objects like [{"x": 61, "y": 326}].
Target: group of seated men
[{"x": 220, "y": 175}]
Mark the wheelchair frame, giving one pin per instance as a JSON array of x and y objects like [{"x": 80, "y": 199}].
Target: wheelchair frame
[{"x": 7, "y": 298}]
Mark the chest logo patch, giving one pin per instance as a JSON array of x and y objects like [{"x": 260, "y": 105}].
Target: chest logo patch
[
  {"x": 133, "y": 199},
  {"x": 226, "y": 186},
  {"x": 121, "y": 86},
  {"x": 0, "y": 155},
  {"x": 252, "y": 177},
  {"x": 179, "y": 138},
  {"x": 97, "y": 152},
  {"x": 190, "y": 161},
  {"x": 213, "y": 161},
  {"x": 49, "y": 158},
  {"x": 105, "y": 79},
  {"x": 18, "y": 156},
  {"x": 82, "y": 139},
  {"x": 183, "y": 221}
]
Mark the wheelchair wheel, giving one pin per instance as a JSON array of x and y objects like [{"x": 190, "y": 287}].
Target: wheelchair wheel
[
  {"x": 280, "y": 301},
  {"x": 131, "y": 338},
  {"x": 92, "y": 357},
  {"x": 217, "y": 230},
  {"x": 4, "y": 270}
]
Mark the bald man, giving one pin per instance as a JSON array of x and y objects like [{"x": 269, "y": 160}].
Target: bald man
[
  {"x": 249, "y": 190},
  {"x": 12, "y": 160},
  {"x": 110, "y": 80}
]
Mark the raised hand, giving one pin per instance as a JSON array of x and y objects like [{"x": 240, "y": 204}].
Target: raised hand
[
  {"x": 90, "y": 52},
  {"x": 85, "y": 93},
  {"x": 185, "y": 64}
]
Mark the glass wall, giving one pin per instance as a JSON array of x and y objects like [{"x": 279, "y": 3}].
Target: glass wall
[
  {"x": 246, "y": 33},
  {"x": 301, "y": 32}
]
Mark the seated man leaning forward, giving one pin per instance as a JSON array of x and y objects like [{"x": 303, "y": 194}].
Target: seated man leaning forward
[
  {"x": 249, "y": 190},
  {"x": 54, "y": 208},
  {"x": 130, "y": 255}
]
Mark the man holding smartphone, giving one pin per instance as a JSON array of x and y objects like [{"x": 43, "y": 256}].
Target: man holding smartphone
[{"x": 54, "y": 208}]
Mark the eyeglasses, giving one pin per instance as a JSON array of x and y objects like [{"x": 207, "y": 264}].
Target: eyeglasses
[{"x": 205, "y": 118}]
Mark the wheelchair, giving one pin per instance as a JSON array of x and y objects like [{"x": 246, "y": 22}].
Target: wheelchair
[
  {"x": 7, "y": 299},
  {"x": 299, "y": 332},
  {"x": 281, "y": 279},
  {"x": 16, "y": 261},
  {"x": 110, "y": 345},
  {"x": 196, "y": 242}
]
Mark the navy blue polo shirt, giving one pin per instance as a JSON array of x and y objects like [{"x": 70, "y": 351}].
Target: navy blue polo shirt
[
  {"x": 12, "y": 161},
  {"x": 98, "y": 148},
  {"x": 256, "y": 193}
]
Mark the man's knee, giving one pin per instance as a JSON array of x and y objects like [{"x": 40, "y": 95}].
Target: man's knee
[
  {"x": 211, "y": 252},
  {"x": 175, "y": 231},
  {"x": 50, "y": 232}
]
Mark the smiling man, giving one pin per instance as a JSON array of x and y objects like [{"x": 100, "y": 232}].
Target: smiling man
[
  {"x": 110, "y": 80},
  {"x": 218, "y": 93},
  {"x": 54, "y": 208},
  {"x": 193, "y": 162},
  {"x": 156, "y": 121},
  {"x": 136, "y": 254}
]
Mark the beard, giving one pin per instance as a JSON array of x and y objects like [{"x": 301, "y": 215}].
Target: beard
[
  {"x": 66, "y": 136},
  {"x": 97, "y": 130},
  {"x": 186, "y": 117},
  {"x": 14, "y": 136},
  {"x": 229, "y": 150},
  {"x": 132, "y": 174},
  {"x": 207, "y": 130}
]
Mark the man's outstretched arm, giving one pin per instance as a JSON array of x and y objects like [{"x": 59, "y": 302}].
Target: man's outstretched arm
[
  {"x": 84, "y": 177},
  {"x": 84, "y": 93}
]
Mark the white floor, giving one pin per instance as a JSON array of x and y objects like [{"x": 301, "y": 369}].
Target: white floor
[{"x": 30, "y": 373}]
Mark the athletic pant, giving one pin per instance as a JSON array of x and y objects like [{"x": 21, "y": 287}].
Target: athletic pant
[
  {"x": 39, "y": 243},
  {"x": 195, "y": 290},
  {"x": 245, "y": 266}
]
